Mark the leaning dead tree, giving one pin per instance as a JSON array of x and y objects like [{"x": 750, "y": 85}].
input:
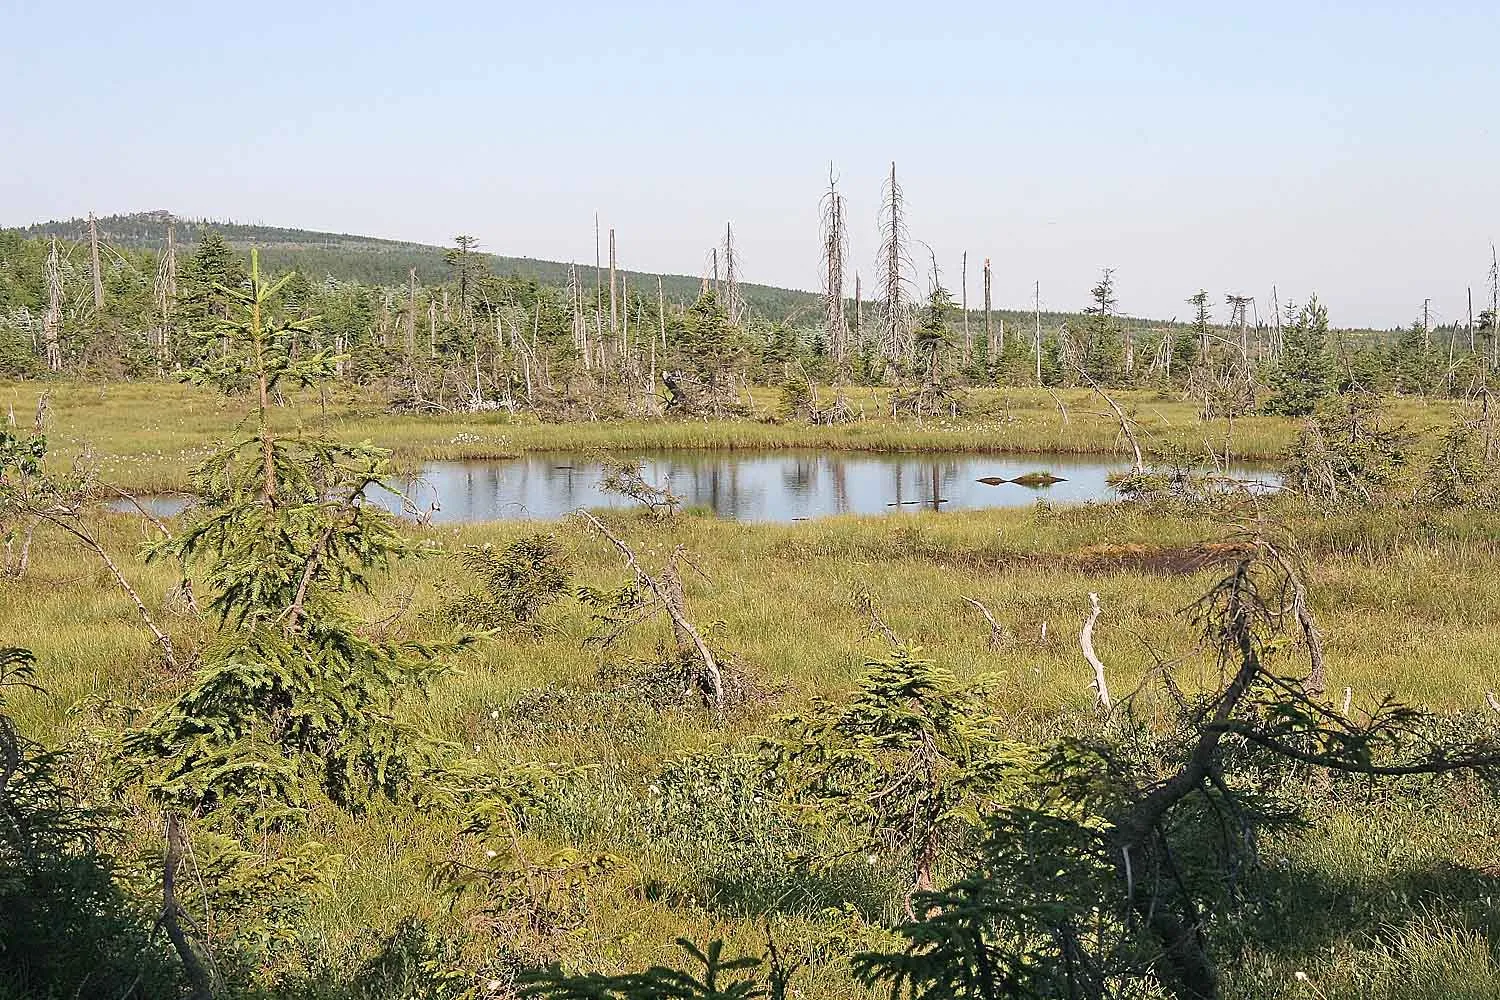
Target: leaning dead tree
[
  {"x": 835, "y": 253},
  {"x": 997, "y": 633},
  {"x": 667, "y": 589},
  {"x": 893, "y": 269},
  {"x": 1127, "y": 426}
]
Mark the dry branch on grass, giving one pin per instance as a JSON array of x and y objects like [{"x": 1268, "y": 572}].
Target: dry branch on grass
[
  {"x": 997, "y": 634},
  {"x": 668, "y": 591},
  {"x": 877, "y": 623},
  {"x": 1086, "y": 640}
]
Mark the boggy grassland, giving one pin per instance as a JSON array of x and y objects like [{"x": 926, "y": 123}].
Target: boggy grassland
[
  {"x": 1389, "y": 889},
  {"x": 147, "y": 435}
]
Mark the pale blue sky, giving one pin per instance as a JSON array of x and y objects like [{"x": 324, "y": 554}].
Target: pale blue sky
[{"x": 1348, "y": 149}]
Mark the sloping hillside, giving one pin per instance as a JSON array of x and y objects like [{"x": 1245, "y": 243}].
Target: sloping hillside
[{"x": 377, "y": 261}]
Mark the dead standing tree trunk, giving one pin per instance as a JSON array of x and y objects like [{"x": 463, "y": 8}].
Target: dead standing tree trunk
[
  {"x": 614, "y": 304},
  {"x": 964, "y": 280},
  {"x": 991, "y": 345},
  {"x": 893, "y": 268},
  {"x": 835, "y": 253},
  {"x": 166, "y": 300},
  {"x": 52, "y": 321},
  {"x": 1494, "y": 308},
  {"x": 1037, "y": 344},
  {"x": 734, "y": 304},
  {"x": 411, "y": 319},
  {"x": 94, "y": 260}
]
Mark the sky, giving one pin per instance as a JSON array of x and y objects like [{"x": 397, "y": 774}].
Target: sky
[{"x": 1348, "y": 150}]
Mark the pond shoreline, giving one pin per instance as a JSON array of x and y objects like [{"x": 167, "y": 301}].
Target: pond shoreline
[{"x": 747, "y": 485}]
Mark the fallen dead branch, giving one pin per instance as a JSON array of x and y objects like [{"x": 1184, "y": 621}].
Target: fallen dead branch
[
  {"x": 877, "y": 623},
  {"x": 1086, "y": 640},
  {"x": 668, "y": 591},
  {"x": 997, "y": 634}
]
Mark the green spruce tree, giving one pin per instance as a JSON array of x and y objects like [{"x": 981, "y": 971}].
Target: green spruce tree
[{"x": 1304, "y": 373}]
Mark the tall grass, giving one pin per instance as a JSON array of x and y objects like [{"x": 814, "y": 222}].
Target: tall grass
[
  {"x": 147, "y": 435},
  {"x": 1405, "y": 602}
]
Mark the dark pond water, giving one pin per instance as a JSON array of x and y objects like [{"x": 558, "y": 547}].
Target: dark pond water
[{"x": 754, "y": 486}]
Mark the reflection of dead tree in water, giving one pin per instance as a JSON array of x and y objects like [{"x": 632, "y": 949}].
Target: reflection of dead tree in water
[{"x": 623, "y": 478}]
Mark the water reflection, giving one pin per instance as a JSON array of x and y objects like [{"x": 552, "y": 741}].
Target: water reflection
[
  {"x": 749, "y": 486},
  {"x": 768, "y": 486}
]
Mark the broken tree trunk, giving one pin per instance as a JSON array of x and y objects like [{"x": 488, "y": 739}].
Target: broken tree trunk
[
  {"x": 94, "y": 258},
  {"x": 712, "y": 678},
  {"x": 1086, "y": 641},
  {"x": 200, "y": 979},
  {"x": 52, "y": 322},
  {"x": 997, "y": 634}
]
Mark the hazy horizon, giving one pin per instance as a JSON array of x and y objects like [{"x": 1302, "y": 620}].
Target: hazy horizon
[{"x": 1316, "y": 149}]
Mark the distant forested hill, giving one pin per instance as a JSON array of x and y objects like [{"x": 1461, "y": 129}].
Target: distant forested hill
[
  {"x": 381, "y": 262},
  {"x": 375, "y": 261}
]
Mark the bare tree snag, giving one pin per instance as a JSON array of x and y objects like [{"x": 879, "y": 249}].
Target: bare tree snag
[
  {"x": 893, "y": 269},
  {"x": 94, "y": 259},
  {"x": 835, "y": 254},
  {"x": 964, "y": 295},
  {"x": 734, "y": 305},
  {"x": 1061, "y": 408},
  {"x": 1316, "y": 681},
  {"x": 1471, "y": 319},
  {"x": 624, "y": 320},
  {"x": 52, "y": 321},
  {"x": 200, "y": 979},
  {"x": 989, "y": 330},
  {"x": 165, "y": 293},
  {"x": 614, "y": 304},
  {"x": 411, "y": 317},
  {"x": 1086, "y": 641},
  {"x": 1494, "y": 308},
  {"x": 63, "y": 520},
  {"x": 712, "y": 678},
  {"x": 997, "y": 634},
  {"x": 877, "y": 623},
  {"x": 661, "y": 311},
  {"x": 1037, "y": 346},
  {"x": 1125, "y": 423}
]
